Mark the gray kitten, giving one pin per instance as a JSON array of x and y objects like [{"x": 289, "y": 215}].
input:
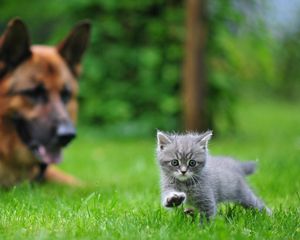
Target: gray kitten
[{"x": 189, "y": 174}]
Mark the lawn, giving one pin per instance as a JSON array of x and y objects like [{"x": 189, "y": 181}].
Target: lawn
[{"x": 121, "y": 198}]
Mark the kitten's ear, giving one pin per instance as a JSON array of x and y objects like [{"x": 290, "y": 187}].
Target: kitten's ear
[
  {"x": 204, "y": 138},
  {"x": 162, "y": 140}
]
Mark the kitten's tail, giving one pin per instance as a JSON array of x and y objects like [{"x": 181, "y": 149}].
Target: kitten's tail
[{"x": 248, "y": 167}]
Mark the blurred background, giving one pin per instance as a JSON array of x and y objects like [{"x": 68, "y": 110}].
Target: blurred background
[
  {"x": 174, "y": 64},
  {"x": 229, "y": 65}
]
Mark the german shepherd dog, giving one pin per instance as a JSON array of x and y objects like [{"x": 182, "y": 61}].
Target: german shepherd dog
[{"x": 38, "y": 87}]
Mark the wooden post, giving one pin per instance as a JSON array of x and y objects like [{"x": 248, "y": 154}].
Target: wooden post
[{"x": 194, "y": 81}]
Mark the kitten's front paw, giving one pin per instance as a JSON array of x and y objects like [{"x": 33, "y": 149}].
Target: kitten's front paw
[{"x": 174, "y": 199}]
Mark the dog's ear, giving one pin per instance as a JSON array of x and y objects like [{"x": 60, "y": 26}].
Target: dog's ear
[
  {"x": 74, "y": 45},
  {"x": 14, "y": 45}
]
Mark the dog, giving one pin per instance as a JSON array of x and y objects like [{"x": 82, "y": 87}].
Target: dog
[{"x": 38, "y": 107}]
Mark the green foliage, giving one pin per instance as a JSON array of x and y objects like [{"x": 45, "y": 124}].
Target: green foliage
[
  {"x": 138, "y": 51},
  {"x": 288, "y": 59},
  {"x": 133, "y": 72}
]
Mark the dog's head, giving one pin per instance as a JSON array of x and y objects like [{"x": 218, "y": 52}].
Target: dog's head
[{"x": 38, "y": 88}]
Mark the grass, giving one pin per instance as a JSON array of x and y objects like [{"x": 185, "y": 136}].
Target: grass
[{"x": 121, "y": 200}]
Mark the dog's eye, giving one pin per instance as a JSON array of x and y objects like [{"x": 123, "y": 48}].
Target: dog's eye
[
  {"x": 65, "y": 95},
  {"x": 192, "y": 163},
  {"x": 174, "y": 162},
  {"x": 36, "y": 95}
]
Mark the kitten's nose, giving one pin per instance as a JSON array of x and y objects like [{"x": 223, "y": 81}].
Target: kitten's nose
[{"x": 183, "y": 171}]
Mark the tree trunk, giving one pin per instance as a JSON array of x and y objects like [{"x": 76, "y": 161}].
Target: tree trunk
[{"x": 194, "y": 81}]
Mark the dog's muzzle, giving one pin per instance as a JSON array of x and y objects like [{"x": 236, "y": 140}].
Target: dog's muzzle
[{"x": 45, "y": 142}]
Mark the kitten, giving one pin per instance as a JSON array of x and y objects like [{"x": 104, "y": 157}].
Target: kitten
[{"x": 189, "y": 174}]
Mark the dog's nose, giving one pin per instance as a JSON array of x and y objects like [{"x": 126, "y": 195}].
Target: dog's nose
[{"x": 65, "y": 134}]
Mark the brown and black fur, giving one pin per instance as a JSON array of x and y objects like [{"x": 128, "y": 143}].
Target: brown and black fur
[{"x": 38, "y": 108}]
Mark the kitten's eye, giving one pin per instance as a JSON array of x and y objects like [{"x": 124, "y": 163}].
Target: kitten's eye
[
  {"x": 174, "y": 162},
  {"x": 192, "y": 163}
]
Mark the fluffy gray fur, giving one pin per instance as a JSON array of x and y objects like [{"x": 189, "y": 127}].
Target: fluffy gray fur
[{"x": 210, "y": 181}]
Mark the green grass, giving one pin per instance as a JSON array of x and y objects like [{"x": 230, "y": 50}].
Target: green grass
[{"x": 121, "y": 200}]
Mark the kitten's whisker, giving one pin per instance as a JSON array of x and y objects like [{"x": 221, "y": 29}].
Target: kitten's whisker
[
  {"x": 171, "y": 179},
  {"x": 197, "y": 178},
  {"x": 194, "y": 179}
]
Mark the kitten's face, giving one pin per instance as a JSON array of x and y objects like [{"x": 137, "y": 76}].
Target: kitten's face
[{"x": 182, "y": 156}]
